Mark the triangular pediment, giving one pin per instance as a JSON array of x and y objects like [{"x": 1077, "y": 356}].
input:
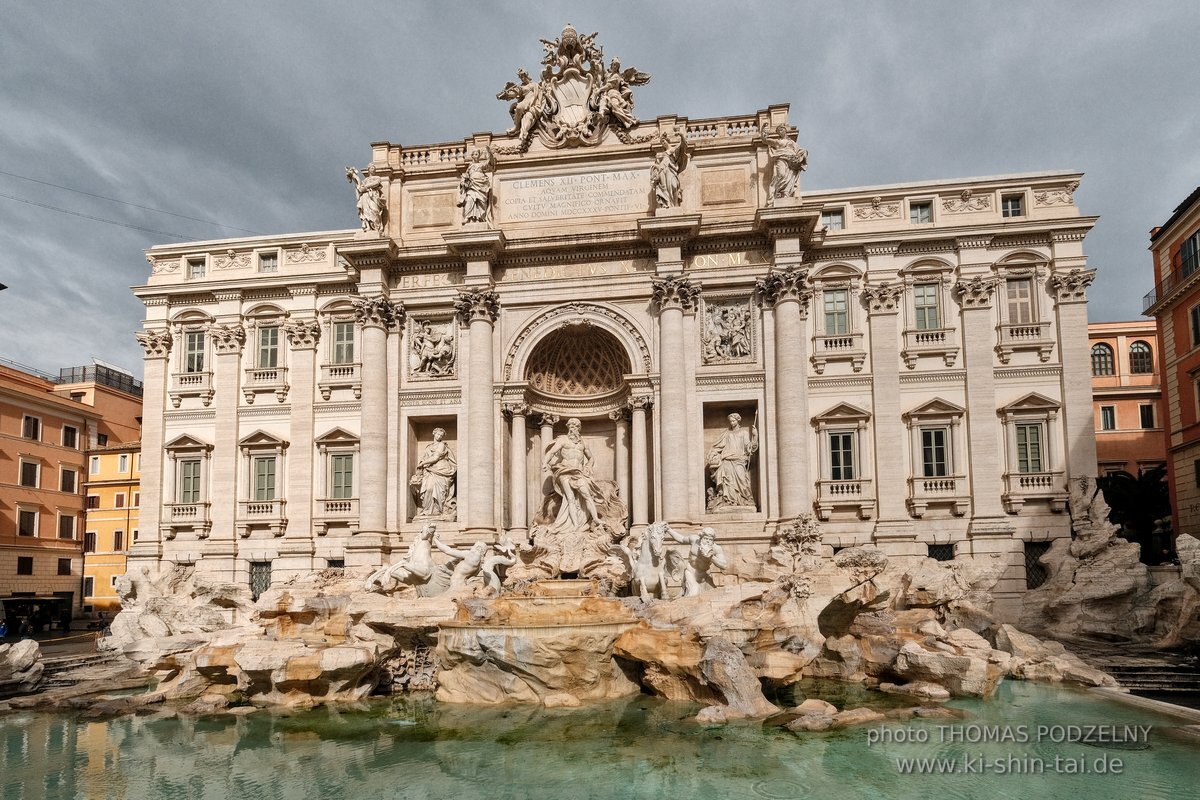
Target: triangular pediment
[
  {"x": 1033, "y": 402},
  {"x": 937, "y": 407},
  {"x": 337, "y": 436},
  {"x": 187, "y": 442},
  {"x": 842, "y": 412},
  {"x": 261, "y": 438}
]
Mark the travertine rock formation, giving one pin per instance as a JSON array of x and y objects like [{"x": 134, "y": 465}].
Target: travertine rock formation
[{"x": 20, "y": 667}]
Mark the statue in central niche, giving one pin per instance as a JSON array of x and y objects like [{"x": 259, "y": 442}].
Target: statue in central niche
[{"x": 579, "y": 519}]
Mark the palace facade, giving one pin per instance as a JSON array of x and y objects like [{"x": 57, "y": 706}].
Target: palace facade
[{"x": 908, "y": 363}]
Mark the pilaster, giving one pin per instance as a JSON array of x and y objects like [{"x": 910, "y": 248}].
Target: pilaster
[
  {"x": 1070, "y": 306},
  {"x": 157, "y": 346}
]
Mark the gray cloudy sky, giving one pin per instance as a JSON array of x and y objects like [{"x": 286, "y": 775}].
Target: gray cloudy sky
[{"x": 247, "y": 113}]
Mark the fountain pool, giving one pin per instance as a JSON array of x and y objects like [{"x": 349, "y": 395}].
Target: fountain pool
[{"x": 640, "y": 747}]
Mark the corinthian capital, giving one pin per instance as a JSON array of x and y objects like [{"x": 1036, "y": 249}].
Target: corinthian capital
[
  {"x": 976, "y": 292},
  {"x": 227, "y": 338},
  {"x": 303, "y": 334},
  {"x": 676, "y": 291},
  {"x": 157, "y": 344},
  {"x": 477, "y": 304},
  {"x": 883, "y": 298},
  {"x": 789, "y": 283},
  {"x": 378, "y": 312},
  {"x": 1071, "y": 286}
]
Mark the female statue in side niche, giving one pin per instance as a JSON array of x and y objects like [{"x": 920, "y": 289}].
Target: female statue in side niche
[{"x": 433, "y": 482}]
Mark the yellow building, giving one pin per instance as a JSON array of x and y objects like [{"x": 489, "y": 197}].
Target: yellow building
[{"x": 113, "y": 489}]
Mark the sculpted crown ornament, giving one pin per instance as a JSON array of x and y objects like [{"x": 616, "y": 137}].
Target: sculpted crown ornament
[
  {"x": 577, "y": 98},
  {"x": 157, "y": 344},
  {"x": 789, "y": 283},
  {"x": 477, "y": 304},
  {"x": 676, "y": 291},
  {"x": 378, "y": 312},
  {"x": 1071, "y": 287},
  {"x": 976, "y": 292},
  {"x": 227, "y": 338},
  {"x": 884, "y": 298}
]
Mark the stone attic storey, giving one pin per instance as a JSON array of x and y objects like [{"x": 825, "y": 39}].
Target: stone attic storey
[{"x": 908, "y": 362}]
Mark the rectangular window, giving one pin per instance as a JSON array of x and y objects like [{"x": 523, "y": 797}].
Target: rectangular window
[
  {"x": 66, "y": 527},
  {"x": 925, "y": 304},
  {"x": 137, "y": 500},
  {"x": 1146, "y": 410},
  {"x": 343, "y": 342},
  {"x": 920, "y": 213},
  {"x": 1194, "y": 314},
  {"x": 1029, "y": 448},
  {"x": 27, "y": 523},
  {"x": 268, "y": 347},
  {"x": 341, "y": 471},
  {"x": 102, "y": 439},
  {"x": 135, "y": 534},
  {"x": 137, "y": 461},
  {"x": 89, "y": 586},
  {"x": 1012, "y": 205},
  {"x": 941, "y": 552},
  {"x": 841, "y": 456},
  {"x": 118, "y": 540},
  {"x": 193, "y": 351},
  {"x": 119, "y": 500},
  {"x": 195, "y": 268},
  {"x": 935, "y": 462},
  {"x": 833, "y": 219},
  {"x": 31, "y": 428},
  {"x": 264, "y": 478},
  {"x": 64, "y": 566},
  {"x": 189, "y": 481},
  {"x": 89, "y": 542},
  {"x": 29, "y": 474},
  {"x": 94, "y": 465},
  {"x": 837, "y": 312},
  {"x": 93, "y": 502},
  {"x": 123, "y": 463},
  {"x": 260, "y": 578},
  {"x": 1108, "y": 418},
  {"x": 1189, "y": 254},
  {"x": 1020, "y": 301},
  {"x": 1035, "y": 572},
  {"x": 70, "y": 437},
  {"x": 268, "y": 262},
  {"x": 66, "y": 481},
  {"x": 24, "y": 565}
]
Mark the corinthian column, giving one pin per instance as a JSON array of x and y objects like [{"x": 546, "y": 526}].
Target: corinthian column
[
  {"x": 479, "y": 309},
  {"x": 1070, "y": 305},
  {"x": 787, "y": 291},
  {"x": 621, "y": 451},
  {"x": 672, "y": 295},
  {"x": 640, "y": 460},
  {"x": 376, "y": 316},
  {"x": 517, "y": 480},
  {"x": 303, "y": 336},
  {"x": 146, "y": 550}
]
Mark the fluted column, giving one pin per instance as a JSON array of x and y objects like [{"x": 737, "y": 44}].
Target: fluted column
[
  {"x": 157, "y": 345},
  {"x": 1070, "y": 296},
  {"x": 640, "y": 458},
  {"x": 517, "y": 476},
  {"x": 479, "y": 309},
  {"x": 303, "y": 336},
  {"x": 376, "y": 316},
  {"x": 672, "y": 295},
  {"x": 621, "y": 452},
  {"x": 786, "y": 289}
]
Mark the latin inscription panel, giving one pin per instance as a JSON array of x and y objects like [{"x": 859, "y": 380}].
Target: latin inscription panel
[{"x": 583, "y": 195}]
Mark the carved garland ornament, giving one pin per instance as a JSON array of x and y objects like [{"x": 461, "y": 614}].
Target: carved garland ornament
[
  {"x": 578, "y": 309},
  {"x": 966, "y": 202},
  {"x": 675, "y": 291},
  {"x": 884, "y": 298},
  {"x": 157, "y": 344},
  {"x": 877, "y": 210},
  {"x": 163, "y": 267},
  {"x": 305, "y": 254},
  {"x": 378, "y": 312},
  {"x": 232, "y": 260},
  {"x": 477, "y": 304},
  {"x": 976, "y": 292},
  {"x": 1056, "y": 197},
  {"x": 1071, "y": 287}
]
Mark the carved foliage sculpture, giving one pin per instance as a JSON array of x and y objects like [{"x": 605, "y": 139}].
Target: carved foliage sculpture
[
  {"x": 790, "y": 283},
  {"x": 477, "y": 304},
  {"x": 303, "y": 334},
  {"x": 157, "y": 344},
  {"x": 883, "y": 298},
  {"x": 975, "y": 292},
  {"x": 378, "y": 312},
  {"x": 577, "y": 99},
  {"x": 1071, "y": 286},
  {"x": 227, "y": 338},
  {"x": 675, "y": 291}
]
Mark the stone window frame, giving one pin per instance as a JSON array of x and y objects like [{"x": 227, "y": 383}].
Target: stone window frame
[
  {"x": 927, "y": 202},
  {"x": 259, "y": 378},
  {"x": 941, "y": 341},
  {"x": 186, "y": 382},
  {"x": 828, "y": 347},
  {"x": 94, "y": 465},
  {"x": 268, "y": 512},
  {"x": 840, "y": 211},
  {"x": 36, "y": 511},
  {"x": 277, "y": 252},
  {"x": 946, "y": 490},
  {"x": 37, "y": 421},
  {"x": 1020, "y": 196},
  {"x": 1106, "y": 418},
  {"x": 196, "y": 266},
  {"x": 60, "y": 517},
  {"x": 334, "y": 374},
  {"x": 1143, "y": 353},
  {"x": 187, "y": 448},
  {"x": 36, "y": 463},
  {"x": 25, "y": 565},
  {"x": 1047, "y": 484},
  {"x": 1037, "y": 334},
  {"x": 840, "y": 419},
  {"x": 1142, "y": 407},
  {"x": 335, "y": 442},
  {"x": 63, "y": 471},
  {"x": 63, "y": 436}
]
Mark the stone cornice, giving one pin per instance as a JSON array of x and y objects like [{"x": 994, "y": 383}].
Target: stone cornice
[
  {"x": 480, "y": 245},
  {"x": 670, "y": 230}
]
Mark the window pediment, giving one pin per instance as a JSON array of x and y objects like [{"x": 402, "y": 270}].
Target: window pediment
[
  {"x": 937, "y": 407},
  {"x": 336, "y": 437},
  {"x": 260, "y": 439},
  {"x": 1032, "y": 402},
  {"x": 187, "y": 442},
  {"x": 842, "y": 412}
]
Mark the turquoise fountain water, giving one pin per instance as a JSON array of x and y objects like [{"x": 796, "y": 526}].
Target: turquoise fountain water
[{"x": 639, "y": 748}]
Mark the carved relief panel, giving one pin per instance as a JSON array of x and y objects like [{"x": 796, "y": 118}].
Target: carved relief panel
[
  {"x": 432, "y": 347},
  {"x": 727, "y": 331}
]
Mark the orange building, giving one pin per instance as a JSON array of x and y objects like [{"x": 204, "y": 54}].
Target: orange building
[
  {"x": 1175, "y": 304},
  {"x": 1127, "y": 396},
  {"x": 114, "y": 498},
  {"x": 47, "y": 427}
]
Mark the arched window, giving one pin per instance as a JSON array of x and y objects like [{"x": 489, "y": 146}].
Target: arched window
[
  {"x": 1140, "y": 360},
  {"x": 1102, "y": 359}
]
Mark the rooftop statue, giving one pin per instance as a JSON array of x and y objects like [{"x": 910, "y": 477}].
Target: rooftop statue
[
  {"x": 788, "y": 160},
  {"x": 577, "y": 99},
  {"x": 475, "y": 187},
  {"x": 372, "y": 205}
]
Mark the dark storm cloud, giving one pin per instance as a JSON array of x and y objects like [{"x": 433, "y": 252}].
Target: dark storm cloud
[{"x": 246, "y": 113}]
